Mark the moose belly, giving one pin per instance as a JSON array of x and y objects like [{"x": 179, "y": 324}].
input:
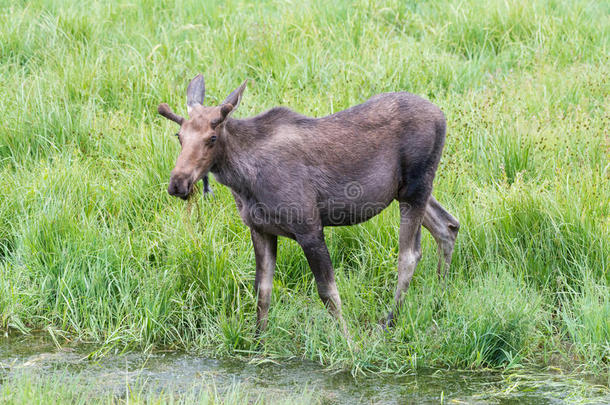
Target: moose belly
[
  {"x": 355, "y": 203},
  {"x": 359, "y": 198},
  {"x": 350, "y": 214}
]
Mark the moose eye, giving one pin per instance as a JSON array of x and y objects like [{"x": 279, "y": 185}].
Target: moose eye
[{"x": 213, "y": 138}]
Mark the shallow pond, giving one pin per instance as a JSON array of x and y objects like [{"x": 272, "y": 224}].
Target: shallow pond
[{"x": 179, "y": 372}]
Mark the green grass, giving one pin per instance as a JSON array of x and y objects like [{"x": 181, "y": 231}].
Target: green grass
[
  {"x": 28, "y": 389},
  {"x": 92, "y": 245}
]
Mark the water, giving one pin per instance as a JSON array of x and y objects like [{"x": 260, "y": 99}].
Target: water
[{"x": 179, "y": 372}]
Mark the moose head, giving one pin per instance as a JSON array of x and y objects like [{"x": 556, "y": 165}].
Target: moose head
[{"x": 198, "y": 135}]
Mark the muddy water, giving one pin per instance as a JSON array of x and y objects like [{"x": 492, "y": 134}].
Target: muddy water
[{"x": 178, "y": 372}]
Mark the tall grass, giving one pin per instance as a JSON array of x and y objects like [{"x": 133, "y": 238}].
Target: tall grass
[{"x": 91, "y": 244}]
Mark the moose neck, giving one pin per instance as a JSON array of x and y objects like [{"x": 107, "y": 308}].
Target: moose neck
[{"x": 233, "y": 164}]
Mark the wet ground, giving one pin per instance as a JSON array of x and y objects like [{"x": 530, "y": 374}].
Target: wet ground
[{"x": 179, "y": 372}]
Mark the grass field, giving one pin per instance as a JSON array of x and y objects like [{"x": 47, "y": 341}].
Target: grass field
[{"x": 92, "y": 247}]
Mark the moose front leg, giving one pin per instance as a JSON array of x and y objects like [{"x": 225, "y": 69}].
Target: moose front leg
[
  {"x": 207, "y": 190},
  {"x": 265, "y": 252},
  {"x": 317, "y": 255}
]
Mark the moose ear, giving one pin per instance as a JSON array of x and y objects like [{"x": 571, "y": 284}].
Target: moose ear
[
  {"x": 225, "y": 111},
  {"x": 235, "y": 97},
  {"x": 195, "y": 93}
]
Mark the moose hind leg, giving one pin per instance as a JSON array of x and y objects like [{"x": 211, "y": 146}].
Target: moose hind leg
[
  {"x": 444, "y": 228},
  {"x": 409, "y": 252},
  {"x": 265, "y": 252}
]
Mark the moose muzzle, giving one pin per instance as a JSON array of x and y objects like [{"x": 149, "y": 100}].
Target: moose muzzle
[{"x": 179, "y": 186}]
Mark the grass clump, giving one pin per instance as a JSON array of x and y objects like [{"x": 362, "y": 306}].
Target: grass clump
[
  {"x": 492, "y": 322},
  {"x": 586, "y": 320}
]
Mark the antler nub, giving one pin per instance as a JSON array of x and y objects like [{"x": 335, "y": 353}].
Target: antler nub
[{"x": 167, "y": 112}]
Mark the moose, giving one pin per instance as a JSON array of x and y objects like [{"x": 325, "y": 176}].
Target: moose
[{"x": 292, "y": 175}]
